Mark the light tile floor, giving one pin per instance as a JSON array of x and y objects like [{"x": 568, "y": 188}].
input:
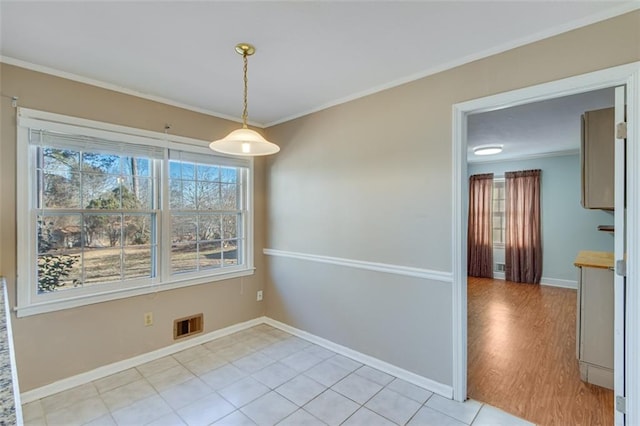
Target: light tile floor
[{"x": 259, "y": 376}]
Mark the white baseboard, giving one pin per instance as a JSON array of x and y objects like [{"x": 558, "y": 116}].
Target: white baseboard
[
  {"x": 498, "y": 275},
  {"x": 554, "y": 282},
  {"x": 550, "y": 282},
  {"x": 431, "y": 385},
  {"x": 116, "y": 367}
]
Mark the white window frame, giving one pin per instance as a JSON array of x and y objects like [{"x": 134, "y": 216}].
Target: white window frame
[
  {"x": 29, "y": 301},
  {"x": 499, "y": 244}
]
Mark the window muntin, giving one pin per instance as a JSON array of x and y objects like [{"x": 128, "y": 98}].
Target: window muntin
[{"x": 97, "y": 196}]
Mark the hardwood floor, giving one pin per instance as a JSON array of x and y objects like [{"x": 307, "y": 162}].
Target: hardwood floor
[{"x": 522, "y": 354}]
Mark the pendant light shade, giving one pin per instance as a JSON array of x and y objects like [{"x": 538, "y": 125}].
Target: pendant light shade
[{"x": 244, "y": 141}]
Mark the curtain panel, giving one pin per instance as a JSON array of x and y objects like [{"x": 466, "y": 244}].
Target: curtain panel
[
  {"x": 480, "y": 235},
  {"x": 523, "y": 242}
]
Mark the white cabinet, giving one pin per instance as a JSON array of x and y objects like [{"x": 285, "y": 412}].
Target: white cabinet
[
  {"x": 597, "y": 159},
  {"x": 595, "y": 326}
]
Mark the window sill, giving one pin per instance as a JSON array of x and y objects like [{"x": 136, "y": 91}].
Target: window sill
[{"x": 73, "y": 302}]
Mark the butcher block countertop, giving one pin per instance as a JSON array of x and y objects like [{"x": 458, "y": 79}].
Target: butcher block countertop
[{"x": 594, "y": 259}]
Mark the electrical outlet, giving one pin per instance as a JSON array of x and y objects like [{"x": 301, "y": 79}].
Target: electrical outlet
[
  {"x": 148, "y": 319},
  {"x": 259, "y": 295}
]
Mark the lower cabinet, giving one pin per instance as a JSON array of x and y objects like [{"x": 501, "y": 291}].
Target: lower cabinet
[{"x": 594, "y": 338}]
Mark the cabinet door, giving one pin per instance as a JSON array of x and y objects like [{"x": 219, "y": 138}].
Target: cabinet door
[
  {"x": 596, "y": 318},
  {"x": 598, "y": 140}
]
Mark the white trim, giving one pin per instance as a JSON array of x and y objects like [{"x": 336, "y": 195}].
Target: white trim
[
  {"x": 32, "y": 117},
  {"x": 511, "y": 44},
  {"x": 114, "y": 87},
  {"x": 431, "y": 385},
  {"x": 34, "y": 308},
  {"x": 361, "y": 264},
  {"x": 556, "y": 282},
  {"x": 459, "y": 203},
  {"x": 116, "y": 367},
  {"x": 625, "y": 74},
  {"x": 549, "y": 282},
  {"x": 619, "y": 248},
  {"x": 632, "y": 323},
  {"x": 29, "y": 302},
  {"x": 485, "y": 160}
]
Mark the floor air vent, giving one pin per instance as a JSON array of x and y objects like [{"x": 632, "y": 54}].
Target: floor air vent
[{"x": 188, "y": 326}]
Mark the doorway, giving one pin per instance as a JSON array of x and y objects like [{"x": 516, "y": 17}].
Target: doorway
[
  {"x": 627, "y": 338},
  {"x": 522, "y": 337}
]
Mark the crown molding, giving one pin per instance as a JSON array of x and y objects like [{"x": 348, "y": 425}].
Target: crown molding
[{"x": 114, "y": 87}]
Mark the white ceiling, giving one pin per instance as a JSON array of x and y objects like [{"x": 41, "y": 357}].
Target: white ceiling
[
  {"x": 550, "y": 127},
  {"x": 310, "y": 54}
]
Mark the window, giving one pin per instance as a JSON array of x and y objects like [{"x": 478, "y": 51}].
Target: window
[
  {"x": 498, "y": 211},
  {"x": 106, "y": 212},
  {"x": 206, "y": 215}
]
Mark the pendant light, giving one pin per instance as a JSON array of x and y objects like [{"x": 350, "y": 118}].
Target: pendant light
[{"x": 244, "y": 141}]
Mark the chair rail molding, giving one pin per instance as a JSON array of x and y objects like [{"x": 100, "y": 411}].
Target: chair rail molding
[{"x": 410, "y": 271}]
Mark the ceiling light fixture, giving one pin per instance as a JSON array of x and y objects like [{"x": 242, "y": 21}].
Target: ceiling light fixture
[
  {"x": 487, "y": 150},
  {"x": 244, "y": 141}
]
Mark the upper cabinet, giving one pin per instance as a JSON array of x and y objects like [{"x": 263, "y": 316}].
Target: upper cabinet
[{"x": 597, "y": 159}]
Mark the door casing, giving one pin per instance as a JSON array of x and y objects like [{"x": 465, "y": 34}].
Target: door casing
[{"x": 628, "y": 75}]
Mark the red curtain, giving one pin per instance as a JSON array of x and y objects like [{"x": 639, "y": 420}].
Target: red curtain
[
  {"x": 523, "y": 242},
  {"x": 480, "y": 235}
]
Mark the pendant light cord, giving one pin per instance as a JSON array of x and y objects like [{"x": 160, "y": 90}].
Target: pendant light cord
[{"x": 244, "y": 110}]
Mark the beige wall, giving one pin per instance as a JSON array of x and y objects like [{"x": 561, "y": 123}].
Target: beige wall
[
  {"x": 57, "y": 345},
  {"x": 371, "y": 180},
  {"x": 368, "y": 180}
]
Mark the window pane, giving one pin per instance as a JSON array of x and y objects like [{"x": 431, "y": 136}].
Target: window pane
[
  {"x": 175, "y": 171},
  {"x": 497, "y": 222},
  {"x": 102, "y": 265},
  {"x": 208, "y": 195},
  {"x": 188, "y": 194},
  {"x": 138, "y": 262},
  {"x": 56, "y": 233},
  {"x": 209, "y": 228},
  {"x": 137, "y": 229},
  {"x": 175, "y": 193},
  {"x": 100, "y": 191},
  {"x": 184, "y": 257},
  {"x": 136, "y": 193},
  {"x": 210, "y": 255},
  {"x": 103, "y": 230},
  {"x": 230, "y": 252},
  {"x": 182, "y": 194},
  {"x": 229, "y": 175},
  {"x": 187, "y": 171},
  {"x": 59, "y": 256},
  {"x": 100, "y": 163},
  {"x": 59, "y": 271},
  {"x": 229, "y": 195},
  {"x": 60, "y": 160},
  {"x": 184, "y": 228},
  {"x": 229, "y": 227},
  {"x": 208, "y": 173},
  {"x": 136, "y": 166},
  {"x": 61, "y": 190}
]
